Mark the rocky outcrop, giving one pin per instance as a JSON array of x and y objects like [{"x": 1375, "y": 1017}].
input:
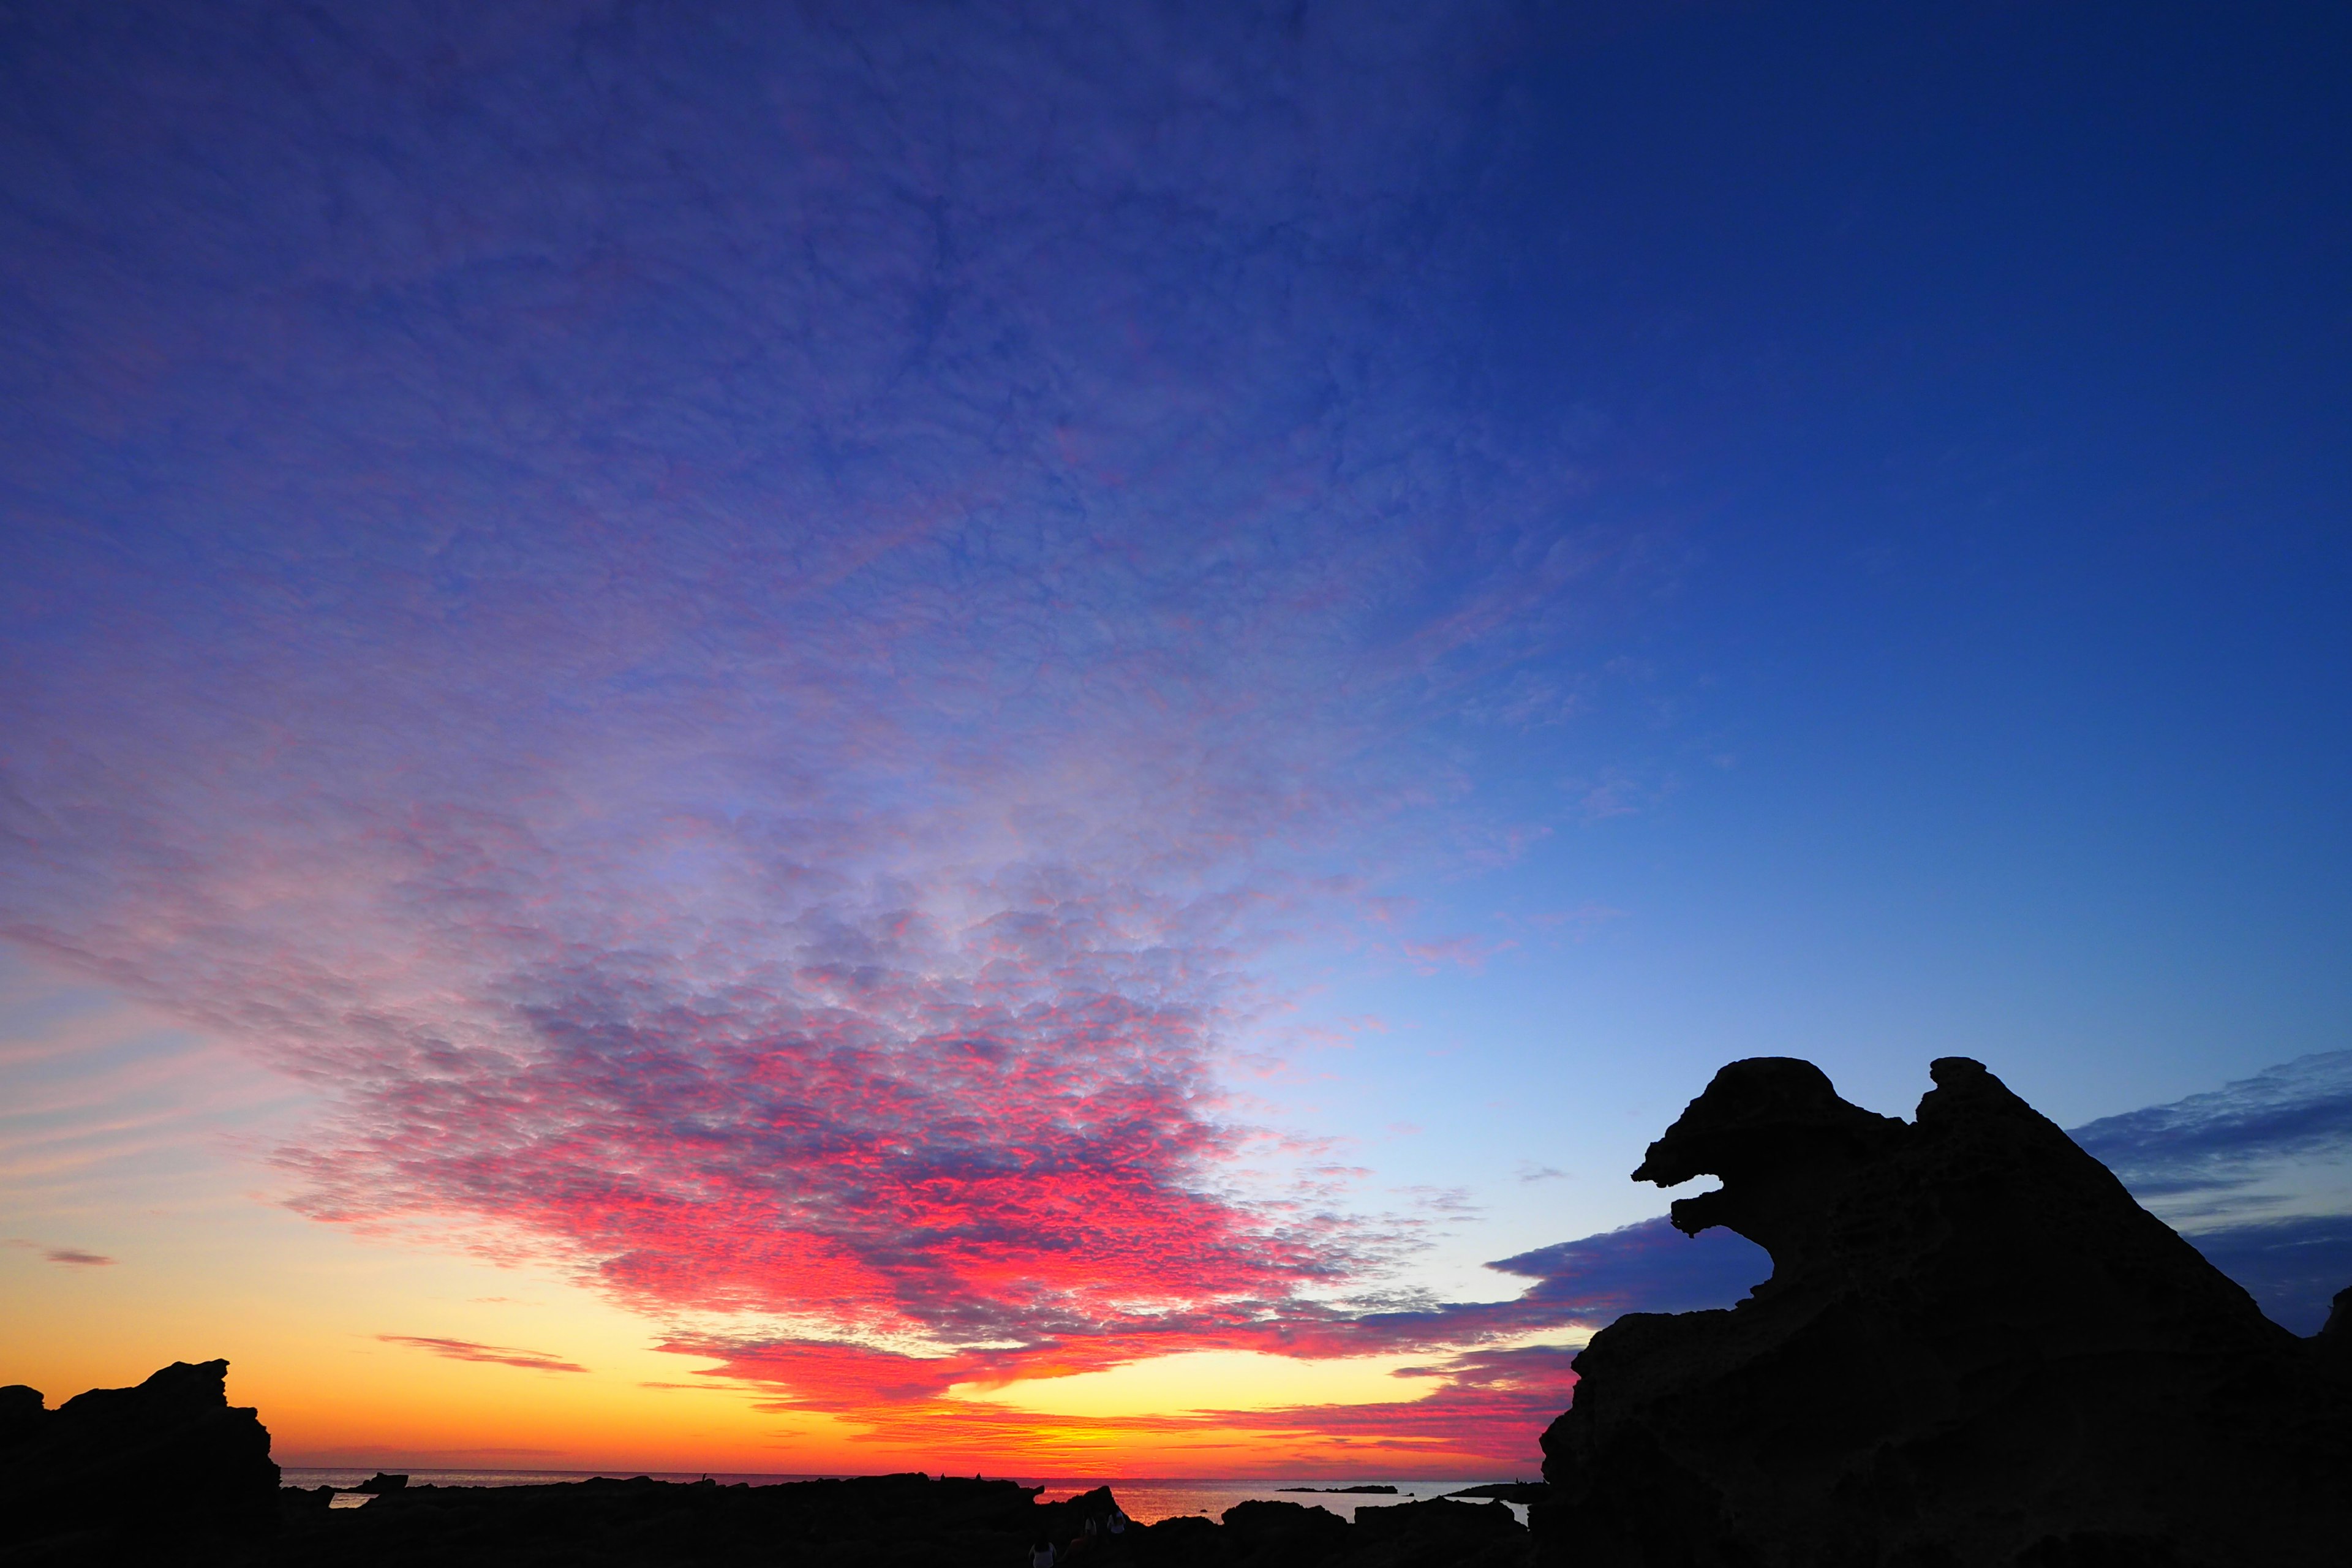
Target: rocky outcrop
[
  {"x": 1974, "y": 1349},
  {"x": 2334, "y": 1340},
  {"x": 891, "y": 1522},
  {"x": 171, "y": 1456}
]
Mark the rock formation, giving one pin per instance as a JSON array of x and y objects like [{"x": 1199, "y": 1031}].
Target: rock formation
[
  {"x": 171, "y": 1456},
  {"x": 885, "y": 1521},
  {"x": 1975, "y": 1349}
]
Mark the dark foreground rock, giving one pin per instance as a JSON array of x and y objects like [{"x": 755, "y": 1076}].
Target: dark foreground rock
[
  {"x": 1975, "y": 1349},
  {"x": 880, "y": 1521},
  {"x": 168, "y": 1472},
  {"x": 126, "y": 1468}
]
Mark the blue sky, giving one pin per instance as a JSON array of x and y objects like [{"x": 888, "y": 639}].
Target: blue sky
[{"x": 730, "y": 651}]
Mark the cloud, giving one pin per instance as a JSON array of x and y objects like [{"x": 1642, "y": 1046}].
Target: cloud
[
  {"x": 1485, "y": 1393},
  {"x": 74, "y": 1255},
  {"x": 2257, "y": 1174},
  {"x": 751, "y": 702},
  {"x": 1649, "y": 1266},
  {"x": 1489, "y": 1409},
  {"x": 2293, "y": 1268},
  {"x": 68, "y": 1254},
  {"x": 2216, "y": 1143},
  {"x": 467, "y": 1350},
  {"x": 2264, "y": 1150}
]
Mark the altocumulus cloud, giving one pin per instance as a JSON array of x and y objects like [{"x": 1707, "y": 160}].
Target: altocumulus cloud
[
  {"x": 739, "y": 638},
  {"x": 2257, "y": 1173},
  {"x": 743, "y": 638}
]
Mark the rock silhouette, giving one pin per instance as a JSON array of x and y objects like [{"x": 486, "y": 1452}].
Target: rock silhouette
[
  {"x": 1974, "y": 1349},
  {"x": 914, "y": 1521},
  {"x": 118, "y": 1466},
  {"x": 169, "y": 1472}
]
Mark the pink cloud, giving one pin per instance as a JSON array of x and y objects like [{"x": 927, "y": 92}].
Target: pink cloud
[{"x": 775, "y": 778}]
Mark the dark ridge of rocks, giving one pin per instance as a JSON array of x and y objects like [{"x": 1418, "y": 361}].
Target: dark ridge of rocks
[
  {"x": 169, "y": 1472},
  {"x": 880, "y": 1521},
  {"x": 1975, "y": 1348},
  {"x": 1388, "y": 1492},
  {"x": 170, "y": 1457}
]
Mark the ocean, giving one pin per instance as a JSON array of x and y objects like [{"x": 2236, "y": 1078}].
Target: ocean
[{"x": 1148, "y": 1501}]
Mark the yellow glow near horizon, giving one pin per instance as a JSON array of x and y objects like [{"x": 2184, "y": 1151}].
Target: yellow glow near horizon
[
  {"x": 128, "y": 1137},
  {"x": 1210, "y": 1379}
]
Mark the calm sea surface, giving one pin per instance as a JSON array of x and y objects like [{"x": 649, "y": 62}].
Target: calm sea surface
[{"x": 1147, "y": 1501}]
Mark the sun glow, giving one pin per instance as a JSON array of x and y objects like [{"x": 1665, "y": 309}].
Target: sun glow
[{"x": 1210, "y": 1379}]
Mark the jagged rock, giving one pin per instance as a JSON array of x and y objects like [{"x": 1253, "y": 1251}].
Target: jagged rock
[
  {"x": 2334, "y": 1342},
  {"x": 22, "y": 1411},
  {"x": 1284, "y": 1532},
  {"x": 380, "y": 1483},
  {"x": 1439, "y": 1533},
  {"x": 1975, "y": 1349},
  {"x": 170, "y": 1455},
  {"x": 882, "y": 1522}
]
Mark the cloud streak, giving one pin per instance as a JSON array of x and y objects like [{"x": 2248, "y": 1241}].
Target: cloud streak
[
  {"x": 2217, "y": 1146},
  {"x": 497, "y": 1355},
  {"x": 2257, "y": 1173},
  {"x": 73, "y": 1256}
]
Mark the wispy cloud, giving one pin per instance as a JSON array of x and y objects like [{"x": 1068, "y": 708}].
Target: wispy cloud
[
  {"x": 74, "y": 1255},
  {"x": 2218, "y": 1149},
  {"x": 69, "y": 1254},
  {"x": 467, "y": 1350},
  {"x": 749, "y": 703},
  {"x": 2258, "y": 1174}
]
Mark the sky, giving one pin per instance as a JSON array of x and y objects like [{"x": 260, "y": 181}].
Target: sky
[{"x": 835, "y": 738}]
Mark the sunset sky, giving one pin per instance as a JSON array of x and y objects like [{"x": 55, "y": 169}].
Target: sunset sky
[{"x": 835, "y": 738}]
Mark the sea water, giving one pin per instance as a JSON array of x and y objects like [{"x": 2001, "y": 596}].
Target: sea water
[{"x": 1147, "y": 1501}]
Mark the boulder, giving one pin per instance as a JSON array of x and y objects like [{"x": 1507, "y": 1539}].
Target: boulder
[
  {"x": 1439, "y": 1533},
  {"x": 22, "y": 1411},
  {"x": 1285, "y": 1532},
  {"x": 170, "y": 1457},
  {"x": 1974, "y": 1349}
]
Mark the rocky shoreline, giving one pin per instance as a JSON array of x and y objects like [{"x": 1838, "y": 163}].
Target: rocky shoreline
[{"x": 1976, "y": 1351}]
